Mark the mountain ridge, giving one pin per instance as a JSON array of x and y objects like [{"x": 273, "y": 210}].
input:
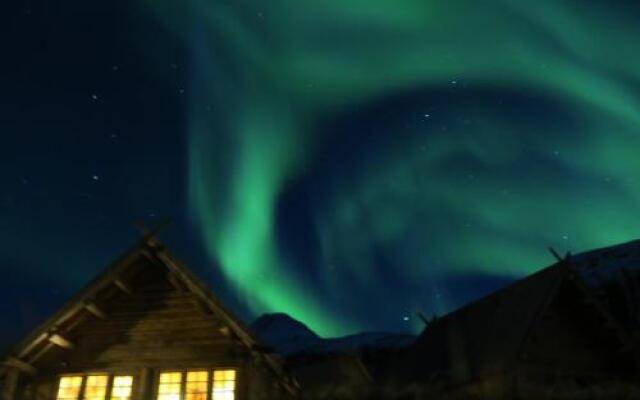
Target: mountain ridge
[{"x": 288, "y": 336}]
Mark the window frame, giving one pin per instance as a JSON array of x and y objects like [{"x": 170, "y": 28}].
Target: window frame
[
  {"x": 183, "y": 379},
  {"x": 235, "y": 382},
  {"x": 85, "y": 374}
]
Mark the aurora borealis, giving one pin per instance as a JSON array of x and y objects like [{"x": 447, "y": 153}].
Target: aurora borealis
[
  {"x": 352, "y": 162},
  {"x": 442, "y": 137}
]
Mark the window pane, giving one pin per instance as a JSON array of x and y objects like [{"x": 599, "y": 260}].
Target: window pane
[
  {"x": 171, "y": 377},
  {"x": 224, "y": 385},
  {"x": 121, "y": 389},
  {"x": 170, "y": 385},
  {"x": 69, "y": 388},
  {"x": 96, "y": 387},
  {"x": 196, "y": 388}
]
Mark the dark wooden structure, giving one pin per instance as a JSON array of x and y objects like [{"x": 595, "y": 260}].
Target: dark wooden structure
[
  {"x": 145, "y": 315},
  {"x": 546, "y": 336},
  {"x": 331, "y": 376}
]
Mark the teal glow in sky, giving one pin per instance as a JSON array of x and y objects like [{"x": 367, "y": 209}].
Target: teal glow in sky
[{"x": 348, "y": 155}]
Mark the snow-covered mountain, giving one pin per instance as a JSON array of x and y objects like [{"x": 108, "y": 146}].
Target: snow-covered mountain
[
  {"x": 285, "y": 334},
  {"x": 289, "y": 336}
]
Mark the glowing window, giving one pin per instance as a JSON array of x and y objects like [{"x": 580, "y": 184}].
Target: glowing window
[
  {"x": 121, "y": 388},
  {"x": 224, "y": 385},
  {"x": 69, "y": 388},
  {"x": 95, "y": 387},
  {"x": 170, "y": 386},
  {"x": 196, "y": 386}
]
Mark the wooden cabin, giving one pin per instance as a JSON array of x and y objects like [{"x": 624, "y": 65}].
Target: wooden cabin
[
  {"x": 145, "y": 329},
  {"x": 545, "y": 336}
]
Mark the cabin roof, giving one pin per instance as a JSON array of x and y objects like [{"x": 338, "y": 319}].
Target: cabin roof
[
  {"x": 486, "y": 336},
  {"x": 113, "y": 278}
]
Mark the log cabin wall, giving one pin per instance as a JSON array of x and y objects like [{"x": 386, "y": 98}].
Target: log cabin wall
[{"x": 154, "y": 325}]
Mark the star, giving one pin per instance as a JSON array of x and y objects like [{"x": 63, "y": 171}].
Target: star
[
  {"x": 405, "y": 318},
  {"x": 94, "y": 97},
  {"x": 95, "y": 177}
]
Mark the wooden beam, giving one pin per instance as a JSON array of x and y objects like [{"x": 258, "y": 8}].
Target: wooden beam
[
  {"x": 260, "y": 348},
  {"x": 149, "y": 234},
  {"x": 32, "y": 345},
  {"x": 11, "y": 384},
  {"x": 175, "y": 282},
  {"x": 95, "y": 310},
  {"x": 143, "y": 386},
  {"x": 555, "y": 254},
  {"x": 61, "y": 341},
  {"x": 150, "y": 257},
  {"x": 202, "y": 307},
  {"x": 48, "y": 346},
  {"x": 21, "y": 365},
  {"x": 123, "y": 286},
  {"x": 424, "y": 319}
]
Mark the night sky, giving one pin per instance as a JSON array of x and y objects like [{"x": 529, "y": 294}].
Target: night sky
[{"x": 348, "y": 162}]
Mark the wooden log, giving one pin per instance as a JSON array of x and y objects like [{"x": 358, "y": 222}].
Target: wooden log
[
  {"x": 176, "y": 282},
  {"x": 10, "y": 387},
  {"x": 61, "y": 341},
  {"x": 143, "y": 388},
  {"x": 123, "y": 286},
  {"x": 123, "y": 353},
  {"x": 95, "y": 310},
  {"x": 42, "y": 351},
  {"x": 555, "y": 254},
  {"x": 21, "y": 365},
  {"x": 165, "y": 314},
  {"x": 32, "y": 345}
]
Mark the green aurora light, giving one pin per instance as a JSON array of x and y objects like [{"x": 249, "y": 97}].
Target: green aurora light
[{"x": 472, "y": 185}]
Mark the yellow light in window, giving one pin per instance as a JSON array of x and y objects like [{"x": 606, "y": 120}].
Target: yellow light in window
[
  {"x": 171, "y": 377},
  {"x": 170, "y": 385},
  {"x": 121, "y": 388},
  {"x": 69, "y": 388},
  {"x": 196, "y": 388},
  {"x": 224, "y": 385},
  {"x": 96, "y": 387}
]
